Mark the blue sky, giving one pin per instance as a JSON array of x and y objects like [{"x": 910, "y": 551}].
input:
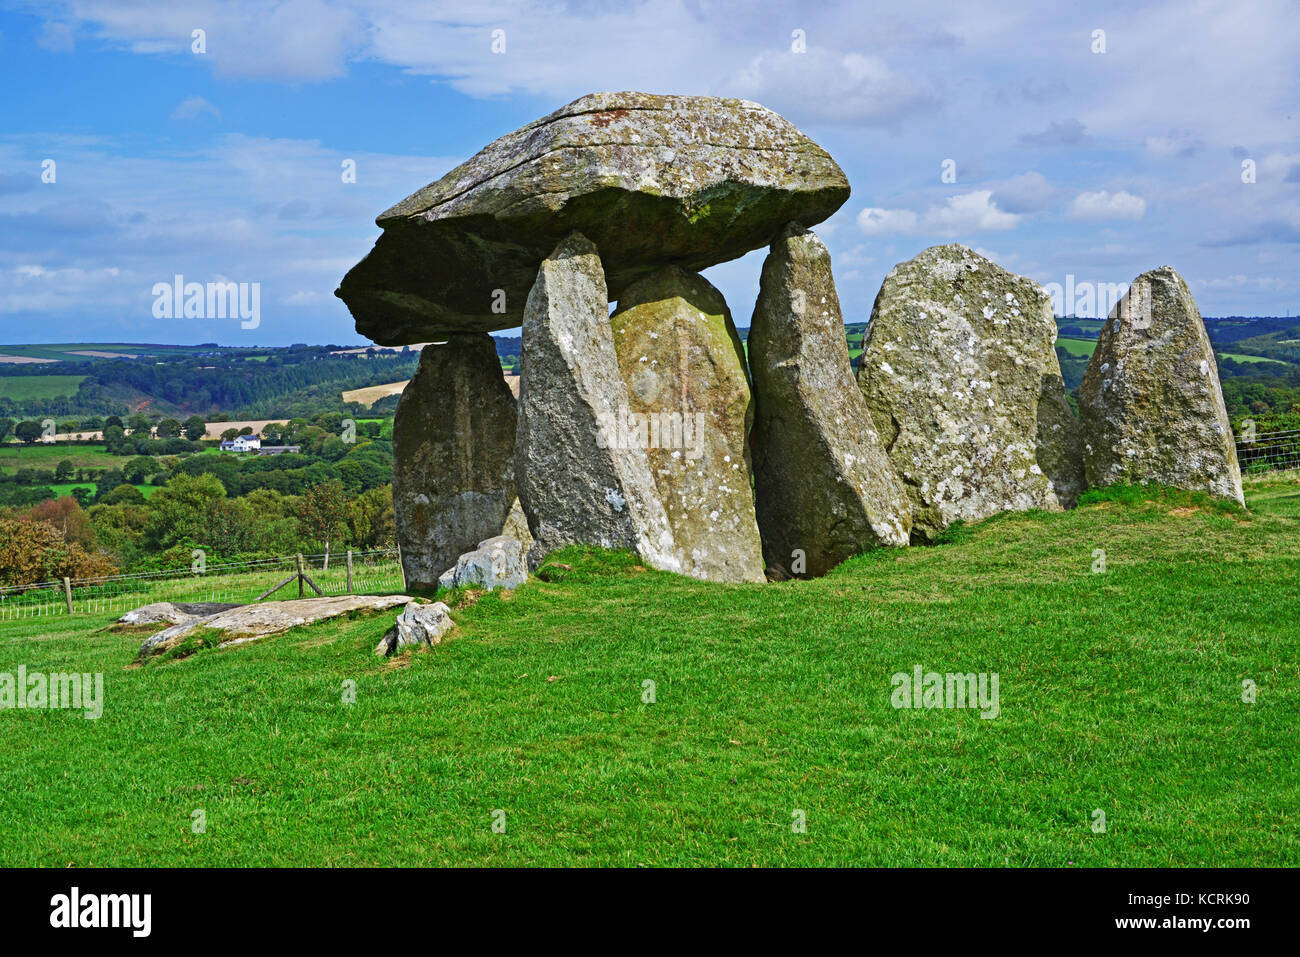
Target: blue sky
[{"x": 225, "y": 164}]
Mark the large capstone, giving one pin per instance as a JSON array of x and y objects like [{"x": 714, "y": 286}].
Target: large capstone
[
  {"x": 575, "y": 486},
  {"x": 825, "y": 487},
  {"x": 689, "y": 408},
  {"x": 960, "y": 376},
  {"x": 453, "y": 456},
  {"x": 1150, "y": 407},
  {"x": 652, "y": 180}
]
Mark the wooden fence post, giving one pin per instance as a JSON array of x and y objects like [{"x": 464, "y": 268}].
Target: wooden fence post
[
  {"x": 301, "y": 574},
  {"x": 349, "y": 571},
  {"x": 67, "y": 594}
]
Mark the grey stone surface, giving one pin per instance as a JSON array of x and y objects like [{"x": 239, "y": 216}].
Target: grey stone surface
[
  {"x": 172, "y": 613},
  {"x": 573, "y": 487},
  {"x": 453, "y": 456},
  {"x": 1151, "y": 408},
  {"x": 960, "y": 376},
  {"x": 825, "y": 487},
  {"x": 246, "y": 622},
  {"x": 417, "y": 625},
  {"x": 499, "y": 562},
  {"x": 652, "y": 180},
  {"x": 690, "y": 409}
]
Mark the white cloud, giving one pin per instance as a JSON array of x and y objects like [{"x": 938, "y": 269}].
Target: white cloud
[
  {"x": 293, "y": 40},
  {"x": 1239, "y": 281},
  {"x": 208, "y": 213},
  {"x": 1280, "y": 167},
  {"x": 875, "y": 221},
  {"x": 1180, "y": 145},
  {"x": 962, "y": 214},
  {"x": 1024, "y": 193},
  {"x": 57, "y": 36},
  {"x": 833, "y": 88},
  {"x": 1102, "y": 205},
  {"x": 194, "y": 106}
]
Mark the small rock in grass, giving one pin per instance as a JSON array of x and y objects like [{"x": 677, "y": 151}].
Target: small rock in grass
[{"x": 417, "y": 625}]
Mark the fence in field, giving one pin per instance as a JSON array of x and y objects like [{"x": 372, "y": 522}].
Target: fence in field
[
  {"x": 348, "y": 572},
  {"x": 1266, "y": 451}
]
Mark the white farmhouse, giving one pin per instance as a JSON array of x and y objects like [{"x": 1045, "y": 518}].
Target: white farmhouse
[{"x": 241, "y": 443}]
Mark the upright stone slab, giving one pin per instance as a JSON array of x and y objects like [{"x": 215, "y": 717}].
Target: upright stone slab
[
  {"x": 825, "y": 488},
  {"x": 1150, "y": 407},
  {"x": 690, "y": 407},
  {"x": 453, "y": 456},
  {"x": 574, "y": 486},
  {"x": 960, "y": 375}
]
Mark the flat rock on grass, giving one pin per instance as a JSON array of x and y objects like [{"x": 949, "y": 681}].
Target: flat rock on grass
[
  {"x": 417, "y": 625},
  {"x": 173, "y": 612},
  {"x": 247, "y": 622}
]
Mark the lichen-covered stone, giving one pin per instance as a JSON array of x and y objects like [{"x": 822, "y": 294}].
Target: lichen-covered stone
[
  {"x": 172, "y": 613},
  {"x": 690, "y": 409},
  {"x": 1150, "y": 408},
  {"x": 825, "y": 488},
  {"x": 498, "y": 562},
  {"x": 453, "y": 456},
  {"x": 574, "y": 487},
  {"x": 244, "y": 623},
  {"x": 960, "y": 375},
  {"x": 417, "y": 625},
  {"x": 652, "y": 180}
]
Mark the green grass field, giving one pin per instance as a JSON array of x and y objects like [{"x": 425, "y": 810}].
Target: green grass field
[
  {"x": 21, "y": 388},
  {"x": 1119, "y": 691},
  {"x": 65, "y": 488},
  {"x": 1242, "y": 357},
  {"x": 69, "y": 350},
  {"x": 1084, "y": 347},
  {"x": 1077, "y": 347},
  {"x": 15, "y": 456}
]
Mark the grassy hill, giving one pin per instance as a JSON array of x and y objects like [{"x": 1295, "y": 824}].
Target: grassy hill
[
  {"x": 1119, "y": 691},
  {"x": 22, "y": 388},
  {"x": 1077, "y": 347},
  {"x": 42, "y": 455}
]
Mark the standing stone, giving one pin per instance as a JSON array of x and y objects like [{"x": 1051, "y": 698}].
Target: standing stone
[
  {"x": 574, "y": 487},
  {"x": 1150, "y": 407},
  {"x": 960, "y": 375},
  {"x": 453, "y": 456},
  {"x": 689, "y": 406},
  {"x": 824, "y": 485}
]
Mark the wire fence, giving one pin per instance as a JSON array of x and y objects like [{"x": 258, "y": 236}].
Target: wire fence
[
  {"x": 234, "y": 582},
  {"x": 1267, "y": 451}
]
